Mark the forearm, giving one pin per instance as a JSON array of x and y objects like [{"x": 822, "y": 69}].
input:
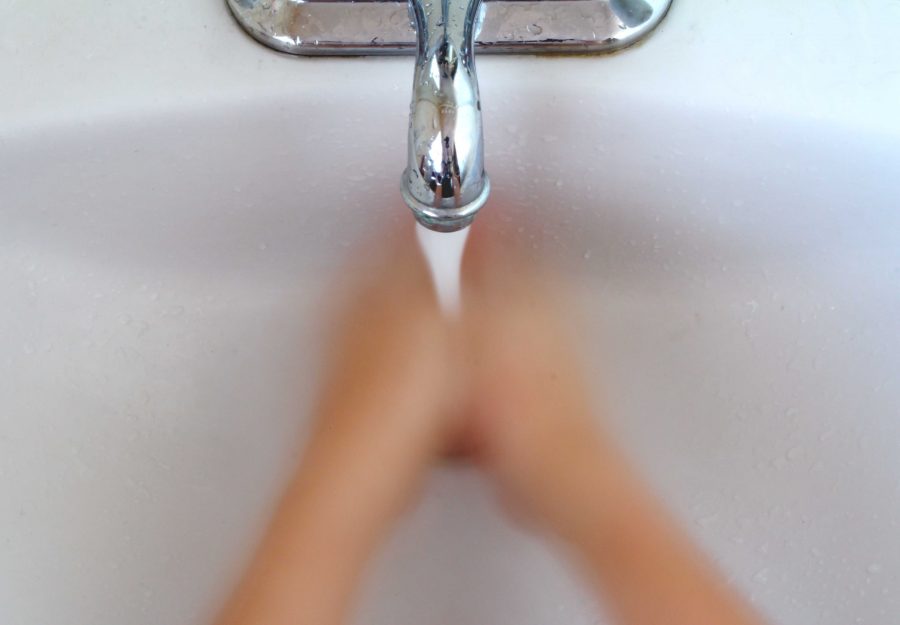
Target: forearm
[
  {"x": 331, "y": 519},
  {"x": 643, "y": 565}
]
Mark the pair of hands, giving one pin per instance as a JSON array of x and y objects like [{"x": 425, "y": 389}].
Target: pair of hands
[
  {"x": 405, "y": 388},
  {"x": 500, "y": 385}
]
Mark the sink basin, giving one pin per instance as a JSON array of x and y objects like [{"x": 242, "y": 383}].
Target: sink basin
[{"x": 170, "y": 216}]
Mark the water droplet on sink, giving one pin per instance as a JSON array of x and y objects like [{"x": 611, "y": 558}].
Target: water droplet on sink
[
  {"x": 707, "y": 520},
  {"x": 534, "y": 29}
]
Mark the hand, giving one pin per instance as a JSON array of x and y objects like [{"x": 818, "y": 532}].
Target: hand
[
  {"x": 388, "y": 406},
  {"x": 534, "y": 428},
  {"x": 392, "y": 391},
  {"x": 533, "y": 424}
]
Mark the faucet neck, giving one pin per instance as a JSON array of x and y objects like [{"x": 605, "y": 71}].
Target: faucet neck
[{"x": 444, "y": 183}]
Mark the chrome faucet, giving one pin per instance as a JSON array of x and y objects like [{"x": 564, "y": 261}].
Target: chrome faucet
[{"x": 444, "y": 182}]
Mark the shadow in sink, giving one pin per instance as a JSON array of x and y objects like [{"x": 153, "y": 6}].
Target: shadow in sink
[
  {"x": 260, "y": 191},
  {"x": 638, "y": 195}
]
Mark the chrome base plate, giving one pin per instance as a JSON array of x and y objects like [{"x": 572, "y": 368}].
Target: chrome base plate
[{"x": 377, "y": 27}]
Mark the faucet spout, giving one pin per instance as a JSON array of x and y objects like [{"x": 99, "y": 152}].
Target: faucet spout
[{"x": 444, "y": 182}]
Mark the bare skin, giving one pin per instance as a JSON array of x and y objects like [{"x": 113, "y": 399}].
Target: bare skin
[
  {"x": 538, "y": 435},
  {"x": 504, "y": 389}
]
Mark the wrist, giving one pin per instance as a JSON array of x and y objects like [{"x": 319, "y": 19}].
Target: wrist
[
  {"x": 359, "y": 481},
  {"x": 591, "y": 492},
  {"x": 318, "y": 542}
]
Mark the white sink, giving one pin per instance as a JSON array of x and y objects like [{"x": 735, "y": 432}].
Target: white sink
[{"x": 726, "y": 196}]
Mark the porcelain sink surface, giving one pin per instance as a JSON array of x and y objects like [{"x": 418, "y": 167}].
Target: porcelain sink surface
[{"x": 724, "y": 197}]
